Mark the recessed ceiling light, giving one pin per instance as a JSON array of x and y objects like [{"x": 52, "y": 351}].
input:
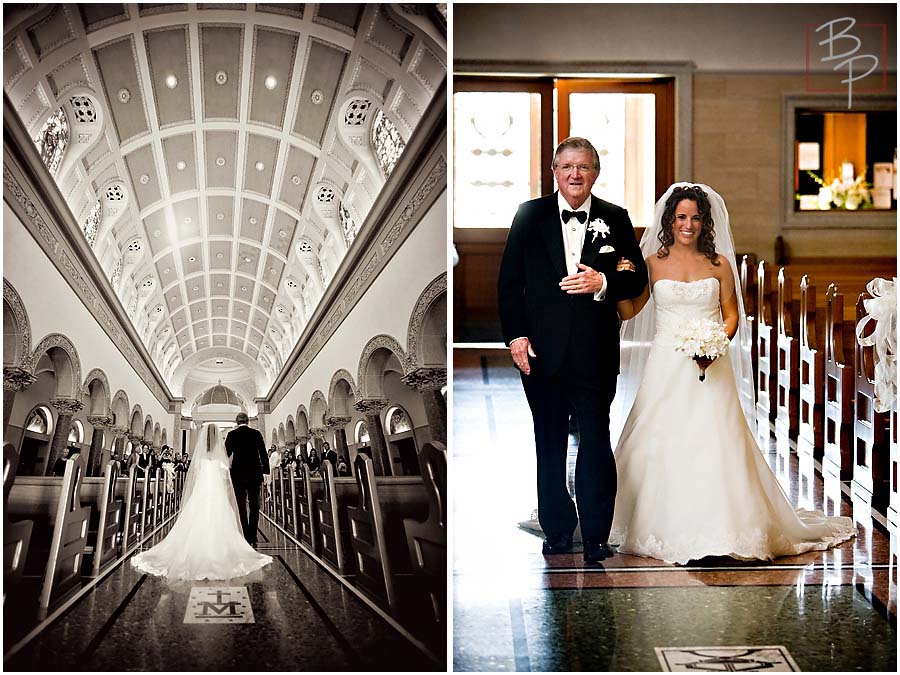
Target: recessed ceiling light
[
  {"x": 248, "y": 259},
  {"x": 180, "y": 165},
  {"x": 265, "y": 298},
  {"x": 156, "y": 233},
  {"x": 173, "y": 298},
  {"x": 272, "y": 270},
  {"x": 166, "y": 271},
  {"x": 271, "y": 83},
  {"x": 196, "y": 288},
  {"x": 187, "y": 221},
  {"x": 282, "y": 233},
  {"x": 252, "y": 220},
  {"x": 317, "y": 96},
  {"x": 220, "y": 308},
  {"x": 260, "y": 166},
  {"x": 243, "y": 288},
  {"x": 219, "y": 285},
  {"x": 144, "y": 179},
  {"x": 220, "y": 216},
  {"x": 192, "y": 259},
  {"x": 295, "y": 180},
  {"x": 124, "y": 95},
  {"x": 220, "y": 161},
  {"x": 221, "y": 77},
  {"x": 171, "y": 81},
  {"x": 220, "y": 255},
  {"x": 240, "y": 311}
]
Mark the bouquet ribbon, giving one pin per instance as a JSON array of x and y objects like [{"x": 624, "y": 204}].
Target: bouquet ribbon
[{"x": 882, "y": 309}]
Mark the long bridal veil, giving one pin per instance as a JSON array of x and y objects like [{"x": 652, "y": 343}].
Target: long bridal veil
[
  {"x": 636, "y": 334},
  {"x": 210, "y": 450}
]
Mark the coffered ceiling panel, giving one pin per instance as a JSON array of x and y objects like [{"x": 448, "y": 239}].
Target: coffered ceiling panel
[
  {"x": 221, "y": 62},
  {"x": 218, "y": 121},
  {"x": 118, "y": 71},
  {"x": 167, "y": 56}
]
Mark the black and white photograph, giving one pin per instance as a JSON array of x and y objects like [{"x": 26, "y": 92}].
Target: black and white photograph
[{"x": 225, "y": 337}]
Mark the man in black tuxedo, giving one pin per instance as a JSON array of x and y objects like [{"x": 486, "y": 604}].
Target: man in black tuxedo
[
  {"x": 558, "y": 289},
  {"x": 246, "y": 448}
]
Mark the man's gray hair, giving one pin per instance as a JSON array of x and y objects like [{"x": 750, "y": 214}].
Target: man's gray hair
[
  {"x": 242, "y": 418},
  {"x": 577, "y": 143}
]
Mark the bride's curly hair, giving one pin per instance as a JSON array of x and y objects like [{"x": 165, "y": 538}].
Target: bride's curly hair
[{"x": 706, "y": 242}]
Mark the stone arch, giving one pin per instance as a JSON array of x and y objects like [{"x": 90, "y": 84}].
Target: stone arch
[
  {"x": 120, "y": 408},
  {"x": 342, "y": 394},
  {"x": 96, "y": 393},
  {"x": 16, "y": 329},
  {"x": 164, "y": 438},
  {"x": 281, "y": 434},
  {"x": 376, "y": 356},
  {"x": 148, "y": 429},
  {"x": 157, "y": 435},
  {"x": 66, "y": 365},
  {"x": 290, "y": 429},
  {"x": 301, "y": 421},
  {"x": 426, "y": 338},
  {"x": 318, "y": 408},
  {"x": 136, "y": 424}
]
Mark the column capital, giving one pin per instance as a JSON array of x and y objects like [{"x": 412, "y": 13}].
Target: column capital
[
  {"x": 66, "y": 406},
  {"x": 318, "y": 432},
  {"x": 337, "y": 422},
  {"x": 134, "y": 438},
  {"x": 120, "y": 432},
  {"x": 100, "y": 421},
  {"x": 16, "y": 379},
  {"x": 370, "y": 406},
  {"x": 423, "y": 379}
]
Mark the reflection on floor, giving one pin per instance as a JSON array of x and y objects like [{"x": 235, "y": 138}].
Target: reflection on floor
[
  {"x": 516, "y": 610},
  {"x": 291, "y": 615}
]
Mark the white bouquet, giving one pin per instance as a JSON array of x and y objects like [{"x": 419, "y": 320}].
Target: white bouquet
[{"x": 703, "y": 340}]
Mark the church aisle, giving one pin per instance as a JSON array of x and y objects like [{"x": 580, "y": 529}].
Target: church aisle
[
  {"x": 514, "y": 609},
  {"x": 291, "y": 615}
]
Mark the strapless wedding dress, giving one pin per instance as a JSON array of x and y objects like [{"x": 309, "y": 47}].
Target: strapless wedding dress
[{"x": 692, "y": 481}]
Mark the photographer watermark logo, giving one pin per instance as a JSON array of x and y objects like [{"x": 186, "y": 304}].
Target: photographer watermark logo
[{"x": 855, "y": 53}]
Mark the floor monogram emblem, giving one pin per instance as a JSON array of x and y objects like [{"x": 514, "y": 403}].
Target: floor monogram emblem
[
  {"x": 726, "y": 659},
  {"x": 219, "y": 604}
]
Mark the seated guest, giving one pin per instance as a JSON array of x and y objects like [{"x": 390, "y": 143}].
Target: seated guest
[
  {"x": 59, "y": 467},
  {"x": 343, "y": 469},
  {"x": 314, "y": 462}
]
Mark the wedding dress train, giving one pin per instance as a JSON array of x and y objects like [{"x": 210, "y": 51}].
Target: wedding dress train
[
  {"x": 206, "y": 541},
  {"x": 692, "y": 481}
]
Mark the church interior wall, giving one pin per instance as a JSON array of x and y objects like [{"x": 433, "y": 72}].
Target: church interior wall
[
  {"x": 53, "y": 307},
  {"x": 384, "y": 309}
]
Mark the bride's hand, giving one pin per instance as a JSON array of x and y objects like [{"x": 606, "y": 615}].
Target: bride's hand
[{"x": 625, "y": 265}]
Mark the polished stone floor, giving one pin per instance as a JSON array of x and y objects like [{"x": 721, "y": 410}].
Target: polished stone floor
[
  {"x": 514, "y": 609},
  {"x": 302, "y": 620}
]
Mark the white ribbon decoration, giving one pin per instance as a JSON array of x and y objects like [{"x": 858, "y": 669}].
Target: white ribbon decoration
[{"x": 882, "y": 308}]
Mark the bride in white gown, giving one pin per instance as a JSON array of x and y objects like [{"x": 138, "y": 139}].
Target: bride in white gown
[
  {"x": 206, "y": 541},
  {"x": 692, "y": 481}
]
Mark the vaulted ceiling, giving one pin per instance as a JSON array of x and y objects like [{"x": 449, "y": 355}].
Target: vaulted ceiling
[{"x": 234, "y": 151}]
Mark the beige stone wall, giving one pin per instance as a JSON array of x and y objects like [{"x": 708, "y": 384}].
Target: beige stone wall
[{"x": 737, "y": 150}]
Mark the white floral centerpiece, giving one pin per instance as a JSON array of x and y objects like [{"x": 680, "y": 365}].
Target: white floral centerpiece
[
  {"x": 703, "y": 340},
  {"x": 844, "y": 194}
]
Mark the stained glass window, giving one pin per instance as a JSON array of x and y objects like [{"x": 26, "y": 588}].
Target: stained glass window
[
  {"x": 39, "y": 422},
  {"x": 398, "y": 421},
  {"x": 53, "y": 139},
  {"x": 348, "y": 225},
  {"x": 362, "y": 432},
  {"x": 387, "y": 142},
  {"x": 92, "y": 224}
]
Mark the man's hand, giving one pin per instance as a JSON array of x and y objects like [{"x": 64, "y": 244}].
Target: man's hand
[
  {"x": 521, "y": 350},
  {"x": 588, "y": 280}
]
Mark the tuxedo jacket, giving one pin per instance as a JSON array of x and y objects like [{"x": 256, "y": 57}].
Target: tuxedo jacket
[
  {"x": 574, "y": 331},
  {"x": 246, "y": 446}
]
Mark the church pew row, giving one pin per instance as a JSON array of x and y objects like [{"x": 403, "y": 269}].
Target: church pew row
[
  {"x": 380, "y": 530},
  {"x": 816, "y": 384},
  {"x": 62, "y": 530}
]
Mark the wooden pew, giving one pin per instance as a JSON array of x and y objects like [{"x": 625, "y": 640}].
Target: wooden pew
[
  {"x": 787, "y": 376},
  {"x": 306, "y": 521},
  {"x": 427, "y": 540},
  {"x": 332, "y": 535},
  {"x": 277, "y": 504},
  {"x": 111, "y": 520},
  {"x": 871, "y": 451},
  {"x": 766, "y": 401},
  {"x": 134, "y": 512},
  {"x": 748, "y": 290},
  {"x": 894, "y": 501},
  {"x": 812, "y": 375},
  {"x": 16, "y": 536},
  {"x": 368, "y": 536},
  {"x": 289, "y": 498},
  {"x": 837, "y": 460}
]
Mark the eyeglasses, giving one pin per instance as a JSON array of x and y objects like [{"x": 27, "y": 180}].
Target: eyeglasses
[{"x": 568, "y": 168}]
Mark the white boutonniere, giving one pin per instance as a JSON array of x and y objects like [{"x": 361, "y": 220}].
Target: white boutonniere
[{"x": 598, "y": 226}]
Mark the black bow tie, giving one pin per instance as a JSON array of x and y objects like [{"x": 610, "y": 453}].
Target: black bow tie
[{"x": 581, "y": 216}]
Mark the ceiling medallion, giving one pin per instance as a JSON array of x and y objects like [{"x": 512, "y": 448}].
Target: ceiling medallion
[
  {"x": 180, "y": 165},
  {"x": 260, "y": 166},
  {"x": 220, "y": 256},
  {"x": 171, "y": 81},
  {"x": 221, "y": 77},
  {"x": 317, "y": 97},
  {"x": 144, "y": 179},
  {"x": 220, "y": 161},
  {"x": 124, "y": 95},
  {"x": 252, "y": 220},
  {"x": 220, "y": 216},
  {"x": 295, "y": 179}
]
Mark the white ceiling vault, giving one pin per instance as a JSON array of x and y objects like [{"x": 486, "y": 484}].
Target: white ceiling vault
[{"x": 234, "y": 150}]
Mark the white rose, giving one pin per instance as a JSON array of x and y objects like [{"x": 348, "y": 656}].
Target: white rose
[{"x": 825, "y": 198}]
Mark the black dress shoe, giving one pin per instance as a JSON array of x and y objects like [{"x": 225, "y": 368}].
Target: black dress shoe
[
  {"x": 560, "y": 543},
  {"x": 596, "y": 551}
]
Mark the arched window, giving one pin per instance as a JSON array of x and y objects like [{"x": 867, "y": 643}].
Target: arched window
[
  {"x": 398, "y": 421},
  {"x": 76, "y": 434},
  {"x": 40, "y": 421},
  {"x": 348, "y": 226},
  {"x": 92, "y": 223},
  {"x": 362, "y": 432},
  {"x": 388, "y": 143},
  {"x": 53, "y": 139}
]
